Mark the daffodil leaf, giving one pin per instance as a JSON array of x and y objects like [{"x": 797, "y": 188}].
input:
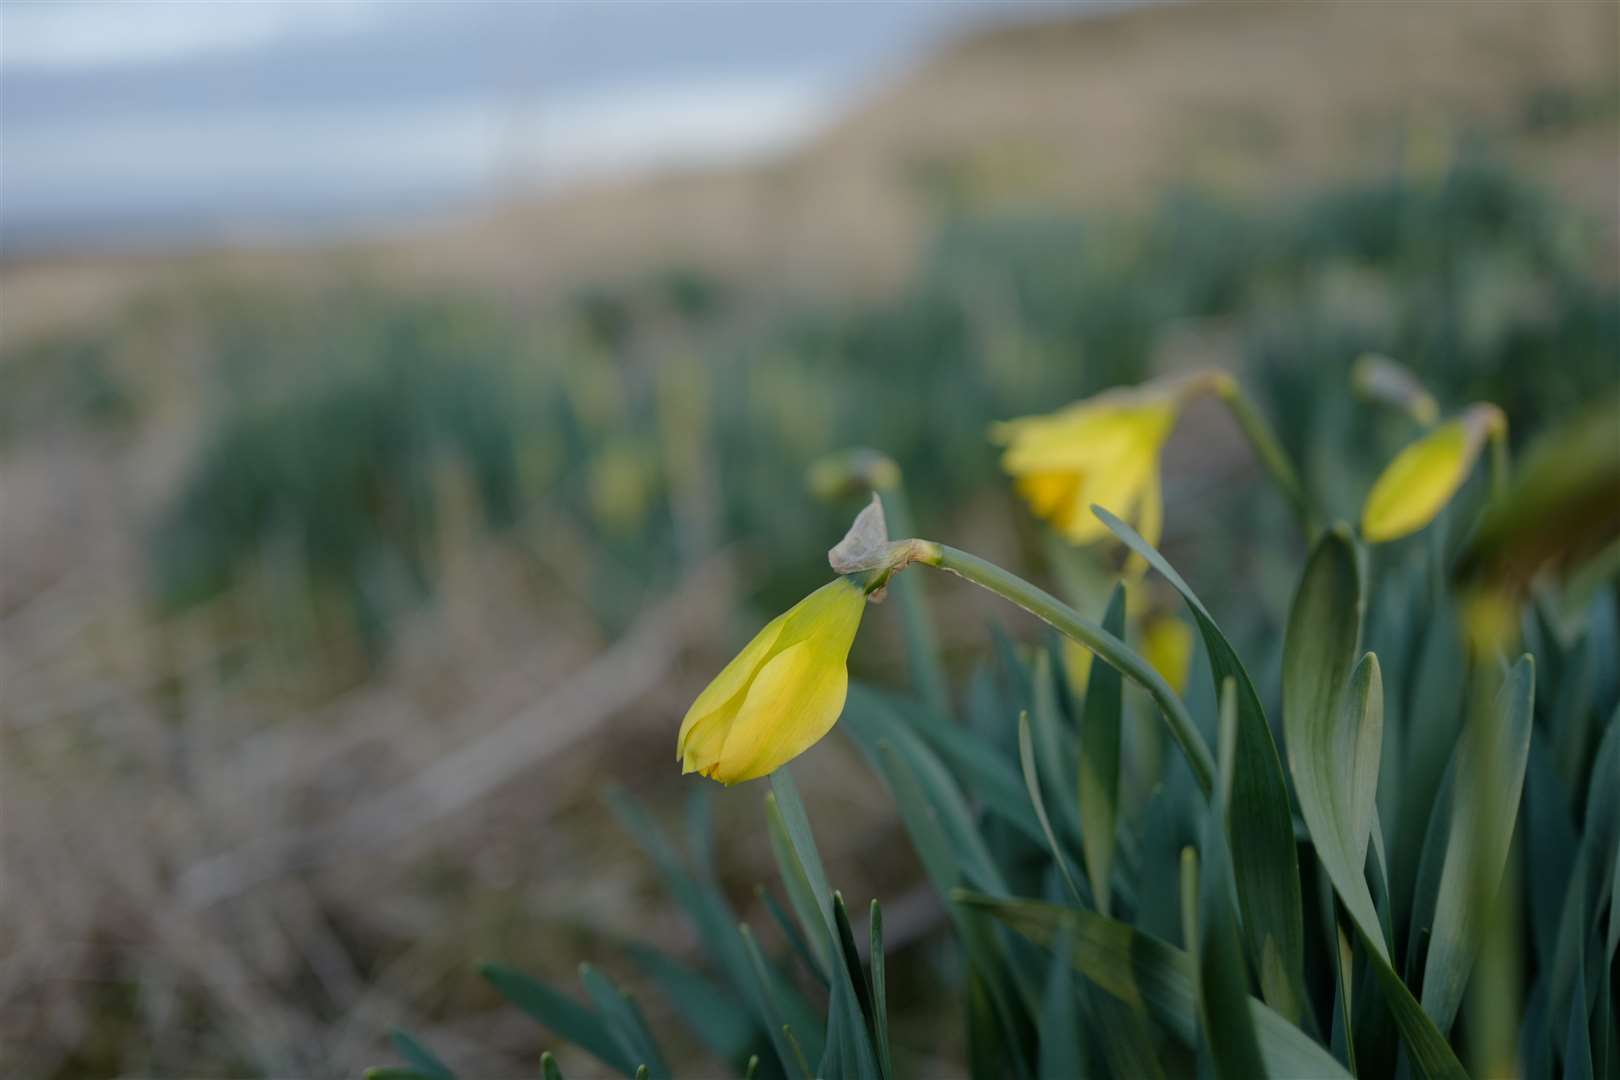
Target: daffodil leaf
[
  {"x": 942, "y": 832},
  {"x": 1333, "y": 721},
  {"x": 792, "y": 931},
  {"x": 801, "y": 893},
  {"x": 1061, "y": 1055},
  {"x": 1101, "y": 722},
  {"x": 763, "y": 989},
  {"x": 711, "y": 915},
  {"x": 712, "y": 1013},
  {"x": 1264, "y": 861},
  {"x": 624, "y": 1020},
  {"x": 1478, "y": 832},
  {"x": 1026, "y": 755},
  {"x": 849, "y": 1047},
  {"x": 1056, "y": 748},
  {"x": 1140, "y": 969},
  {"x": 421, "y": 1060},
  {"x": 1222, "y": 974},
  {"x": 1549, "y": 849},
  {"x": 983, "y": 770},
  {"x": 948, "y": 841},
  {"x": 548, "y": 1067},
  {"x": 562, "y": 1015},
  {"x": 878, "y": 989}
]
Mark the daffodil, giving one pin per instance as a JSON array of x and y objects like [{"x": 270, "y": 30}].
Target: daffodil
[
  {"x": 780, "y": 695},
  {"x": 1417, "y": 485},
  {"x": 1103, "y": 451}
]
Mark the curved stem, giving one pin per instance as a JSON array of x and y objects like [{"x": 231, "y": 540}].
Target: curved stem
[
  {"x": 1268, "y": 450},
  {"x": 1072, "y": 624},
  {"x": 1500, "y": 466}
]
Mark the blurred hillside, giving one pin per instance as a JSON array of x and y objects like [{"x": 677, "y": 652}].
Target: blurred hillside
[
  {"x": 339, "y": 579},
  {"x": 1083, "y": 111}
]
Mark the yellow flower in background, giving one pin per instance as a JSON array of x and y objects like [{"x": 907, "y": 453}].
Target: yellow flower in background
[
  {"x": 1417, "y": 485},
  {"x": 1102, "y": 451},
  {"x": 780, "y": 695},
  {"x": 1167, "y": 644}
]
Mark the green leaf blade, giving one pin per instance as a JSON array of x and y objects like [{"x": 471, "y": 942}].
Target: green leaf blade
[
  {"x": 1101, "y": 724},
  {"x": 1265, "y": 864}
]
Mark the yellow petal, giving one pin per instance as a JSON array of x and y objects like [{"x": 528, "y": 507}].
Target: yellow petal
[
  {"x": 1167, "y": 645},
  {"x": 722, "y": 697},
  {"x": 1418, "y": 484},
  {"x": 782, "y": 692},
  {"x": 1048, "y": 493},
  {"x": 1087, "y": 438},
  {"x": 794, "y": 702}
]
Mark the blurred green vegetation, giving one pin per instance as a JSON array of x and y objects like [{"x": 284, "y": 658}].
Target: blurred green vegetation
[{"x": 651, "y": 419}]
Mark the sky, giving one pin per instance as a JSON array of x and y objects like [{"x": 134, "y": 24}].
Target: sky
[{"x": 152, "y": 121}]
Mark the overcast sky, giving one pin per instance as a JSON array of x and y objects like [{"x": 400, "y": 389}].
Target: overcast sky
[{"x": 151, "y": 119}]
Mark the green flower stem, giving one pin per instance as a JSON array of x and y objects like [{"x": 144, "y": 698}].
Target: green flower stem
[
  {"x": 1500, "y": 465},
  {"x": 922, "y": 641},
  {"x": 1270, "y": 452},
  {"x": 1070, "y": 623}
]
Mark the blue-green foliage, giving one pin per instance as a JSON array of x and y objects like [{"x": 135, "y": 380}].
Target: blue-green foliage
[{"x": 594, "y": 418}]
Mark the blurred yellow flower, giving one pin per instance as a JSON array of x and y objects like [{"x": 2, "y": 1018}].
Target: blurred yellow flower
[
  {"x": 780, "y": 695},
  {"x": 1102, "y": 451},
  {"x": 1167, "y": 644},
  {"x": 1417, "y": 485}
]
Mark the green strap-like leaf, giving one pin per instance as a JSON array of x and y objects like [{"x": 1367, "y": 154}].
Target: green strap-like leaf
[
  {"x": 624, "y": 1019},
  {"x": 1101, "y": 722},
  {"x": 711, "y": 1012},
  {"x": 1333, "y": 719},
  {"x": 1476, "y": 849},
  {"x": 849, "y": 1047},
  {"x": 1140, "y": 969},
  {"x": 1264, "y": 862},
  {"x": 420, "y": 1058},
  {"x": 562, "y": 1014},
  {"x": 878, "y": 989},
  {"x": 763, "y": 990},
  {"x": 1026, "y": 757},
  {"x": 1223, "y": 990},
  {"x": 1062, "y": 1057}
]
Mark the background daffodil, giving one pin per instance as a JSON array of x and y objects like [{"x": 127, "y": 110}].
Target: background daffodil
[
  {"x": 1103, "y": 451},
  {"x": 1417, "y": 485},
  {"x": 780, "y": 695}
]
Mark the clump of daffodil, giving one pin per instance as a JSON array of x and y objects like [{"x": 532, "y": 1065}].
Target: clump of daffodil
[
  {"x": 1417, "y": 485},
  {"x": 786, "y": 689}
]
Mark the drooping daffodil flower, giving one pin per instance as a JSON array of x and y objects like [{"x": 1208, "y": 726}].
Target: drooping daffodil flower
[
  {"x": 781, "y": 694},
  {"x": 1423, "y": 478},
  {"x": 1102, "y": 451}
]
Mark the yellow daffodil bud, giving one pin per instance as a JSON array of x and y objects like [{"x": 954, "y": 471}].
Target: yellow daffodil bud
[
  {"x": 1102, "y": 451},
  {"x": 781, "y": 694},
  {"x": 1417, "y": 485}
]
